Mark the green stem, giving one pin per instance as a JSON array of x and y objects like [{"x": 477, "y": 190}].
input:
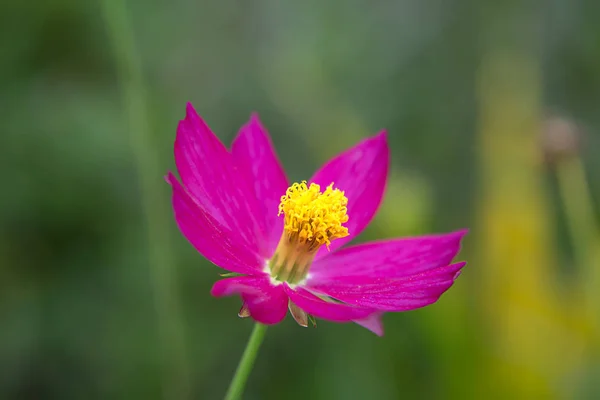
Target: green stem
[
  {"x": 154, "y": 201},
  {"x": 236, "y": 387}
]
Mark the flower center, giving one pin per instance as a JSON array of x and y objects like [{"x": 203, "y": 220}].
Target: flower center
[{"x": 312, "y": 219}]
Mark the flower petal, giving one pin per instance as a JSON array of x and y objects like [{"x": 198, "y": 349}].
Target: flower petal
[
  {"x": 209, "y": 174},
  {"x": 389, "y": 258},
  {"x": 209, "y": 236},
  {"x": 392, "y": 294},
  {"x": 320, "y": 308},
  {"x": 266, "y": 302},
  {"x": 254, "y": 155},
  {"x": 361, "y": 172}
]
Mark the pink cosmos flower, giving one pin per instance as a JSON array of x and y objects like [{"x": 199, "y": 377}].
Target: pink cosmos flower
[{"x": 284, "y": 244}]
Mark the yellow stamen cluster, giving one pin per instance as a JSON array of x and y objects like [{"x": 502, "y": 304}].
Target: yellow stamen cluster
[{"x": 312, "y": 217}]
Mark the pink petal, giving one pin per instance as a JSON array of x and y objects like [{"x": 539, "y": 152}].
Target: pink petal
[
  {"x": 392, "y": 294},
  {"x": 373, "y": 323},
  {"x": 209, "y": 174},
  {"x": 267, "y": 302},
  {"x": 389, "y": 258},
  {"x": 320, "y": 308},
  {"x": 254, "y": 155},
  {"x": 211, "y": 238},
  {"x": 361, "y": 172}
]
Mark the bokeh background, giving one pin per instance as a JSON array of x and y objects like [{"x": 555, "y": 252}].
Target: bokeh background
[{"x": 492, "y": 113}]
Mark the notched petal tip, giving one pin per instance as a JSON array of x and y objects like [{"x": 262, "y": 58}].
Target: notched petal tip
[
  {"x": 458, "y": 266},
  {"x": 192, "y": 122},
  {"x": 377, "y": 143},
  {"x": 255, "y": 126},
  {"x": 381, "y": 135},
  {"x": 190, "y": 110},
  {"x": 170, "y": 178},
  {"x": 461, "y": 232},
  {"x": 380, "y": 138},
  {"x": 254, "y": 118}
]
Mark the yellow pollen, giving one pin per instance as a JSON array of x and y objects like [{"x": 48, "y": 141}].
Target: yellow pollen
[{"x": 312, "y": 217}]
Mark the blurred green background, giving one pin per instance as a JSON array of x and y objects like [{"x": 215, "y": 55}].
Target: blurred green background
[{"x": 102, "y": 298}]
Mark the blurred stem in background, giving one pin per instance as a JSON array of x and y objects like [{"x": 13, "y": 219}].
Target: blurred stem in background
[
  {"x": 579, "y": 211},
  {"x": 155, "y": 205}
]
